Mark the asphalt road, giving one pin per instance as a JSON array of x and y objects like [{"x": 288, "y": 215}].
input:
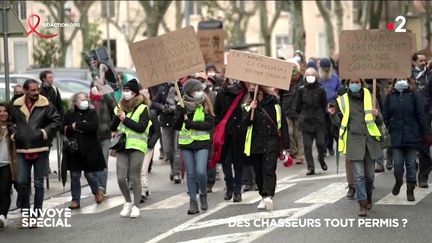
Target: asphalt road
[{"x": 306, "y": 209}]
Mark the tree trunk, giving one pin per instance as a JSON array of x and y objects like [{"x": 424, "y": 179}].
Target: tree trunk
[
  {"x": 339, "y": 17},
  {"x": 428, "y": 16},
  {"x": 85, "y": 36},
  {"x": 266, "y": 30},
  {"x": 366, "y": 12},
  {"x": 299, "y": 34},
  {"x": 179, "y": 14},
  {"x": 62, "y": 34},
  {"x": 375, "y": 15},
  {"x": 328, "y": 27}
]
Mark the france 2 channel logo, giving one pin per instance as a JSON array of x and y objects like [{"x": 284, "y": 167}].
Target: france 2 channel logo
[{"x": 399, "y": 23}]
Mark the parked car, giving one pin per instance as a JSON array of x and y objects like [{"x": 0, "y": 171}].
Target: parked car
[
  {"x": 3, "y": 91},
  {"x": 75, "y": 85},
  {"x": 73, "y": 73}
]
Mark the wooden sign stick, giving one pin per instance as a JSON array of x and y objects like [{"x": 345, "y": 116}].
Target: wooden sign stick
[{"x": 254, "y": 98}]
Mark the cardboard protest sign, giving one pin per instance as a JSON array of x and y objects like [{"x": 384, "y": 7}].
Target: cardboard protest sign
[
  {"x": 167, "y": 57},
  {"x": 212, "y": 46},
  {"x": 374, "y": 54},
  {"x": 259, "y": 69}
]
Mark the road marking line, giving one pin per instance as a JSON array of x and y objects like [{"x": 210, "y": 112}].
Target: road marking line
[
  {"x": 419, "y": 193},
  {"x": 186, "y": 224},
  {"x": 237, "y": 237},
  {"x": 329, "y": 194},
  {"x": 244, "y": 217},
  {"x": 296, "y": 215},
  {"x": 98, "y": 208},
  {"x": 253, "y": 197}
]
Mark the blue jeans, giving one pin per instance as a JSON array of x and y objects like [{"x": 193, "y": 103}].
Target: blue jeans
[
  {"x": 102, "y": 175},
  {"x": 363, "y": 171},
  {"x": 76, "y": 184},
  {"x": 196, "y": 170},
  {"x": 407, "y": 157},
  {"x": 24, "y": 178}
]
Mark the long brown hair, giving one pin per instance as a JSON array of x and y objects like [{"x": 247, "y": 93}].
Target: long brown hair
[
  {"x": 208, "y": 106},
  {"x": 411, "y": 85}
]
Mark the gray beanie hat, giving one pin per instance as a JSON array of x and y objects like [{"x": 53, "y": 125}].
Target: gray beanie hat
[{"x": 192, "y": 85}]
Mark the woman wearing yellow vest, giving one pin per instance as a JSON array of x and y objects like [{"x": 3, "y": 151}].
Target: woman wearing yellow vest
[
  {"x": 359, "y": 137},
  {"x": 194, "y": 123},
  {"x": 133, "y": 120},
  {"x": 269, "y": 138}
]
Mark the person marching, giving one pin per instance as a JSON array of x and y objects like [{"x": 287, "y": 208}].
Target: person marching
[
  {"x": 81, "y": 125},
  {"x": 269, "y": 138},
  {"x": 235, "y": 131},
  {"x": 132, "y": 120},
  {"x": 194, "y": 123},
  {"x": 359, "y": 137},
  {"x": 403, "y": 114},
  {"x": 311, "y": 104}
]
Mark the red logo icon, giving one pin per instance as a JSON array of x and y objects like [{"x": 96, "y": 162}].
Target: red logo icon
[
  {"x": 390, "y": 26},
  {"x": 33, "y": 28}
]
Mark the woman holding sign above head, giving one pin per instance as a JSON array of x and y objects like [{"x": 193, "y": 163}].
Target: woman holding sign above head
[
  {"x": 311, "y": 104},
  {"x": 359, "y": 137},
  {"x": 267, "y": 137},
  {"x": 194, "y": 122},
  {"x": 404, "y": 115}
]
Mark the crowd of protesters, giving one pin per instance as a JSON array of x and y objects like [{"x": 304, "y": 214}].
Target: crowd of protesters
[{"x": 218, "y": 120}]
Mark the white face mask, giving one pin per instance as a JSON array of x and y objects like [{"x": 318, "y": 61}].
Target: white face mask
[
  {"x": 128, "y": 95},
  {"x": 198, "y": 94},
  {"x": 94, "y": 90},
  {"x": 310, "y": 79},
  {"x": 211, "y": 74},
  {"x": 83, "y": 105}
]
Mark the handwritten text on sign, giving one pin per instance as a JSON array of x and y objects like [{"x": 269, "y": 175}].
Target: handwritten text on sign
[
  {"x": 375, "y": 54},
  {"x": 259, "y": 69},
  {"x": 167, "y": 57}
]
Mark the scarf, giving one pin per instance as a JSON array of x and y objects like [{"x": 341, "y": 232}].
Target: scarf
[
  {"x": 419, "y": 73},
  {"x": 192, "y": 103},
  {"x": 130, "y": 105}
]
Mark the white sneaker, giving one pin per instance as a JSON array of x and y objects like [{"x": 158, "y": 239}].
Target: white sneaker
[
  {"x": 126, "y": 211},
  {"x": 3, "y": 221},
  {"x": 135, "y": 212},
  {"x": 261, "y": 205},
  {"x": 268, "y": 202}
]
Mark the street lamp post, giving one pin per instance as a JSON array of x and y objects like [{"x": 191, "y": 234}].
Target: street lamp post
[{"x": 5, "y": 8}]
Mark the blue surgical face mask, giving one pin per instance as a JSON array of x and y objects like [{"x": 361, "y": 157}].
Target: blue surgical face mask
[
  {"x": 401, "y": 85},
  {"x": 354, "y": 87}
]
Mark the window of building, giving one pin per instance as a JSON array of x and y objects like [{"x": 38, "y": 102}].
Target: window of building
[
  {"x": 281, "y": 44},
  {"x": 108, "y": 7},
  {"x": 20, "y": 9}
]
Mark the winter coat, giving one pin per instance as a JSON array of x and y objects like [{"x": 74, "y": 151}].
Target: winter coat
[
  {"x": 235, "y": 130},
  {"x": 52, "y": 93},
  {"x": 105, "y": 112},
  {"x": 331, "y": 87},
  {"x": 155, "y": 131},
  {"x": 206, "y": 125},
  {"x": 265, "y": 137},
  {"x": 12, "y": 156},
  {"x": 404, "y": 117},
  {"x": 424, "y": 87},
  {"x": 358, "y": 135},
  {"x": 164, "y": 102},
  {"x": 89, "y": 157},
  {"x": 33, "y": 130},
  {"x": 287, "y": 99},
  {"x": 311, "y": 104}
]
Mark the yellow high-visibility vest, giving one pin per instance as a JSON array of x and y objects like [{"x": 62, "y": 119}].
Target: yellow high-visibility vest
[
  {"x": 248, "y": 141},
  {"x": 344, "y": 107},
  {"x": 188, "y": 136},
  {"x": 135, "y": 140}
]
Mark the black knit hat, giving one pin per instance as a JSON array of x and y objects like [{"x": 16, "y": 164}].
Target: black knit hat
[
  {"x": 133, "y": 86},
  {"x": 192, "y": 85}
]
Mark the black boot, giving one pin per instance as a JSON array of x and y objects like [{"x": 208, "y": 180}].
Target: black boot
[
  {"x": 237, "y": 197},
  {"x": 363, "y": 209},
  {"x": 193, "y": 207},
  {"x": 228, "y": 194},
  {"x": 203, "y": 201},
  {"x": 351, "y": 192},
  {"x": 397, "y": 185},
  {"x": 410, "y": 191},
  {"x": 323, "y": 165},
  {"x": 369, "y": 202}
]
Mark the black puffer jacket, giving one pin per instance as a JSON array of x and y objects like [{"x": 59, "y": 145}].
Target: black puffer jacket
[
  {"x": 165, "y": 104},
  {"x": 89, "y": 157},
  {"x": 33, "y": 131},
  {"x": 311, "y": 104},
  {"x": 265, "y": 136},
  {"x": 52, "y": 93}
]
